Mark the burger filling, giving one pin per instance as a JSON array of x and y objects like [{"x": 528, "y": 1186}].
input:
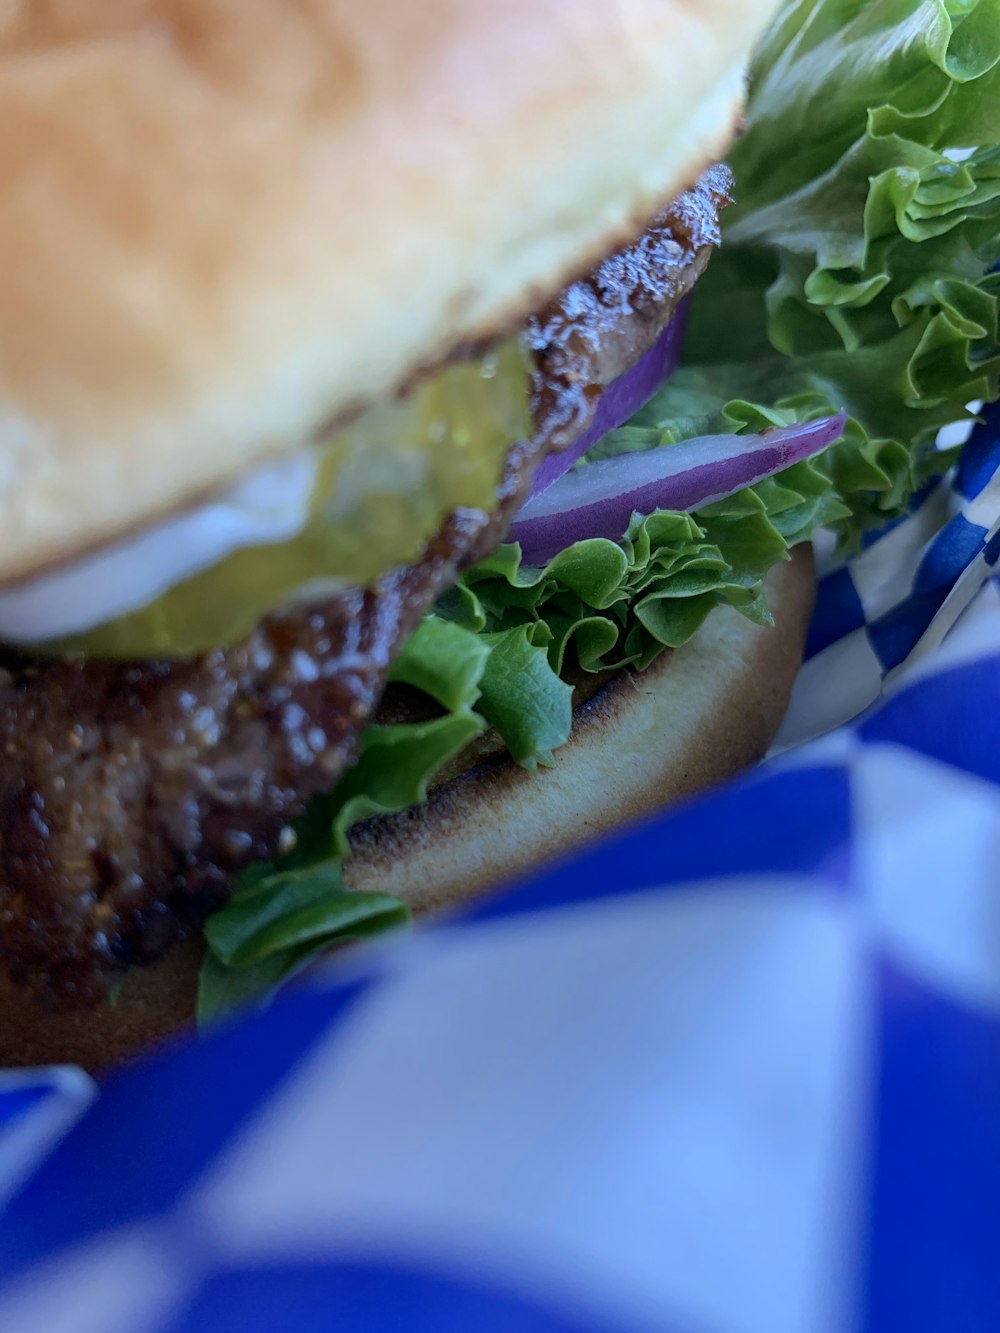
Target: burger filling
[
  {"x": 208, "y": 740},
  {"x": 152, "y": 757}
]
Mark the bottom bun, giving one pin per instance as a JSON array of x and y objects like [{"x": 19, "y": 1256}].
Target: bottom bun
[{"x": 698, "y": 715}]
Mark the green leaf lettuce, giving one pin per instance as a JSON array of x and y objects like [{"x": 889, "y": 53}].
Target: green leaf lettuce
[
  {"x": 855, "y": 274},
  {"x": 283, "y": 915}
]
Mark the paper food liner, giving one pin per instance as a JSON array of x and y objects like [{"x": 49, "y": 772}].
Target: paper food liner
[{"x": 736, "y": 1071}]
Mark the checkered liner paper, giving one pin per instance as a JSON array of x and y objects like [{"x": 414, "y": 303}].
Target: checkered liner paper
[{"x": 738, "y": 1072}]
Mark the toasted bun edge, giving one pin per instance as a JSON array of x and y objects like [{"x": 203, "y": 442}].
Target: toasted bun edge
[{"x": 225, "y": 226}]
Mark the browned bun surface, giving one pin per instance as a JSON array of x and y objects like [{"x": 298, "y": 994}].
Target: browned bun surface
[
  {"x": 157, "y": 1002},
  {"x": 695, "y": 717},
  {"x": 227, "y": 224}
]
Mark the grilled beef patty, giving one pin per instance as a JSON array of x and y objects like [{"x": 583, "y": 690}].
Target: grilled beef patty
[{"x": 132, "y": 795}]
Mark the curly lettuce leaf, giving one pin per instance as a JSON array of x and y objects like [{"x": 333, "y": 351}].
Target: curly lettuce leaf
[
  {"x": 275, "y": 926},
  {"x": 856, "y": 275},
  {"x": 523, "y": 696},
  {"x": 285, "y": 914},
  {"x": 856, "y": 266},
  {"x": 605, "y": 605}
]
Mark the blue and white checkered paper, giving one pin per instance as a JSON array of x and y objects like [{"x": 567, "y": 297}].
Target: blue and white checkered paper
[
  {"x": 735, "y": 1072},
  {"x": 881, "y": 612}
]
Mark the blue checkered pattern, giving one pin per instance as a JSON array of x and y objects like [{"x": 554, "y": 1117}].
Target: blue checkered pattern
[
  {"x": 737, "y": 1071},
  {"x": 879, "y": 612},
  {"x": 37, "y": 1108}
]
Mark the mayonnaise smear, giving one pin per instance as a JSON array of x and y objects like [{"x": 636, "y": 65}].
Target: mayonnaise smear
[{"x": 269, "y": 506}]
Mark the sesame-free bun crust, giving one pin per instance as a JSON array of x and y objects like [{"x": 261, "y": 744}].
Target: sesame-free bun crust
[
  {"x": 225, "y": 223},
  {"x": 696, "y": 716}
]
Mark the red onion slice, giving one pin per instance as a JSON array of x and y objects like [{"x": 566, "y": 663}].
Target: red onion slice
[
  {"x": 599, "y": 500},
  {"x": 621, "y": 399}
]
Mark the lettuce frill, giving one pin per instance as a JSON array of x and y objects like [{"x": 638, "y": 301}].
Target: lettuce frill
[{"x": 856, "y": 274}]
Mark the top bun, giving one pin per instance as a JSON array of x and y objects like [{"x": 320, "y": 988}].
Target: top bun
[{"x": 224, "y": 223}]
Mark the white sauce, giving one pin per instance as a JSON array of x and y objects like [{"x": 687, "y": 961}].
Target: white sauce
[{"x": 270, "y": 506}]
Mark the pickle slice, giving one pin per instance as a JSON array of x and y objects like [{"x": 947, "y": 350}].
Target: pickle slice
[{"x": 386, "y": 483}]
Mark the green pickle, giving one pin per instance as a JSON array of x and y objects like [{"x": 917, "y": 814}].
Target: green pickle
[{"x": 387, "y": 482}]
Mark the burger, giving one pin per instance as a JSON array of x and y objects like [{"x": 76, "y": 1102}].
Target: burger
[{"x": 358, "y": 548}]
